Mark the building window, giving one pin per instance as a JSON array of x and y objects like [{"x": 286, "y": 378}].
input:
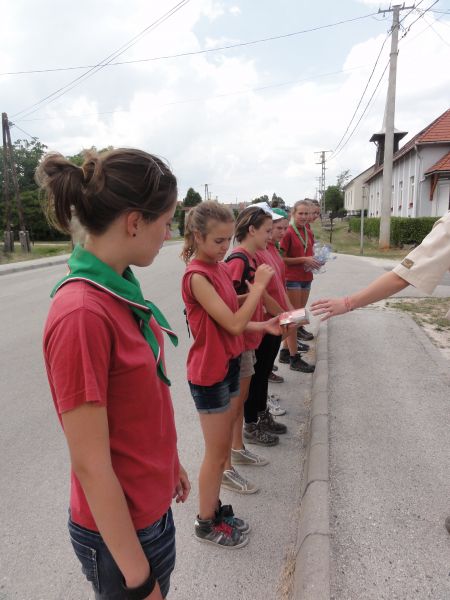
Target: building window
[{"x": 411, "y": 189}]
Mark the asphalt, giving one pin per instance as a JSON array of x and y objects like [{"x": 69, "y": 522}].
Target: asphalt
[{"x": 376, "y": 488}]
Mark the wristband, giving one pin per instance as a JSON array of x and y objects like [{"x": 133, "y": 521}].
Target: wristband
[
  {"x": 141, "y": 592},
  {"x": 347, "y": 304}
]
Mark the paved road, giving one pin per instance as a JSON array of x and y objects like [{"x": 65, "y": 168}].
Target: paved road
[
  {"x": 389, "y": 433},
  {"x": 36, "y": 562}
]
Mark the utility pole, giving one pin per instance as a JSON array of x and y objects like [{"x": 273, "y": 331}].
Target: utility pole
[
  {"x": 207, "y": 196},
  {"x": 385, "y": 214},
  {"x": 10, "y": 174},
  {"x": 321, "y": 179},
  {"x": 8, "y": 236}
]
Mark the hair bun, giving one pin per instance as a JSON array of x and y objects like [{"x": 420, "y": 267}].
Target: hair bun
[{"x": 93, "y": 173}]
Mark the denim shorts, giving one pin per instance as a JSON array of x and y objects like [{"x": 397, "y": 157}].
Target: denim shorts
[
  {"x": 216, "y": 398},
  {"x": 298, "y": 285},
  {"x": 99, "y": 568}
]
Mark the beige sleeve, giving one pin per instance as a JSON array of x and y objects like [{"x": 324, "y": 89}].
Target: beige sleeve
[{"x": 425, "y": 266}]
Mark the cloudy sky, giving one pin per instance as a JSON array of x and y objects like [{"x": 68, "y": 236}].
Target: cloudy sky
[{"x": 246, "y": 120}]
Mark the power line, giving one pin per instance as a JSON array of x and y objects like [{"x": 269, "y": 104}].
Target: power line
[
  {"x": 421, "y": 15},
  {"x": 205, "y": 98},
  {"x": 22, "y": 130},
  {"x": 92, "y": 71},
  {"x": 362, "y": 96},
  {"x": 193, "y": 53},
  {"x": 437, "y": 33},
  {"x": 363, "y": 113}
]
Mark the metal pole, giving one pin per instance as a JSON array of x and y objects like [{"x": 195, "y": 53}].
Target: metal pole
[
  {"x": 385, "y": 214},
  {"x": 361, "y": 241}
]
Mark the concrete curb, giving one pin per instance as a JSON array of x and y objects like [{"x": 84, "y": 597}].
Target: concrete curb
[
  {"x": 312, "y": 569},
  {"x": 28, "y": 265}
]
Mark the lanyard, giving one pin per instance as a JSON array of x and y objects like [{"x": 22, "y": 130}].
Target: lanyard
[{"x": 305, "y": 240}]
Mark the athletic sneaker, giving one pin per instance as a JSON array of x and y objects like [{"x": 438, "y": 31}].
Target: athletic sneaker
[
  {"x": 302, "y": 334},
  {"x": 216, "y": 531},
  {"x": 274, "y": 368},
  {"x": 274, "y": 378},
  {"x": 274, "y": 406},
  {"x": 302, "y": 347},
  {"x": 253, "y": 434},
  {"x": 225, "y": 512},
  {"x": 447, "y": 524},
  {"x": 284, "y": 356},
  {"x": 232, "y": 480},
  {"x": 245, "y": 457},
  {"x": 298, "y": 364},
  {"x": 267, "y": 423}
]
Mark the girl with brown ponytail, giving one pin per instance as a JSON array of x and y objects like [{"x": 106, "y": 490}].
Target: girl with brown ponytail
[{"x": 104, "y": 355}]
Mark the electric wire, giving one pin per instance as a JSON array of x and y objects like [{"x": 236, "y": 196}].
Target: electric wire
[
  {"x": 192, "y": 53},
  {"x": 102, "y": 64}
]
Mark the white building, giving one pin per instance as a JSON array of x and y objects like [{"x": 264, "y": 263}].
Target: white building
[
  {"x": 355, "y": 192},
  {"x": 420, "y": 176}
]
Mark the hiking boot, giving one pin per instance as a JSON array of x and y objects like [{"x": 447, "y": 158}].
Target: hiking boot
[
  {"x": 232, "y": 480},
  {"x": 302, "y": 334},
  {"x": 216, "y": 531},
  {"x": 245, "y": 457},
  {"x": 253, "y": 434},
  {"x": 274, "y": 378},
  {"x": 226, "y": 514},
  {"x": 447, "y": 524},
  {"x": 267, "y": 423},
  {"x": 284, "y": 356},
  {"x": 298, "y": 364},
  {"x": 274, "y": 406},
  {"x": 302, "y": 347}
]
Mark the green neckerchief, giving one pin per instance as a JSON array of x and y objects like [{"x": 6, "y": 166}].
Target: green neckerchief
[
  {"x": 85, "y": 266},
  {"x": 303, "y": 241}
]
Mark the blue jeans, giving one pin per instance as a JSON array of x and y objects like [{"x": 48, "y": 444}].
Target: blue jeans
[{"x": 99, "y": 568}]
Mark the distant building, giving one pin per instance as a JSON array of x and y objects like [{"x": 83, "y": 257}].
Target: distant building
[
  {"x": 420, "y": 176},
  {"x": 355, "y": 192}
]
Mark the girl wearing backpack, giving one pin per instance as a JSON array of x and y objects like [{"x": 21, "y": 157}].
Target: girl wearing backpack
[
  {"x": 103, "y": 348},
  {"x": 252, "y": 232},
  {"x": 217, "y": 324}
]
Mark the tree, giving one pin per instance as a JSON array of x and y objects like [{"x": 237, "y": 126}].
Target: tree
[
  {"x": 277, "y": 202},
  {"x": 192, "y": 198},
  {"x": 342, "y": 178},
  {"x": 264, "y": 198},
  {"x": 334, "y": 198}
]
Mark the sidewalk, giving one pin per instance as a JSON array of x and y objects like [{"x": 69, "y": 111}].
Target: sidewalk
[{"x": 389, "y": 439}]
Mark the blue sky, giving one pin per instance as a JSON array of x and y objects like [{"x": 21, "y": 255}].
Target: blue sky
[{"x": 207, "y": 113}]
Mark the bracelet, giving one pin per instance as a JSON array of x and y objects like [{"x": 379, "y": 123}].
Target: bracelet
[
  {"x": 141, "y": 592},
  {"x": 347, "y": 304}
]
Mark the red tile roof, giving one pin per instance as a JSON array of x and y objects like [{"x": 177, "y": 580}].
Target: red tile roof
[
  {"x": 436, "y": 132},
  {"x": 442, "y": 165}
]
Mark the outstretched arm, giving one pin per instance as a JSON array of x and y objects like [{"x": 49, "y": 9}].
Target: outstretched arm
[{"x": 384, "y": 286}]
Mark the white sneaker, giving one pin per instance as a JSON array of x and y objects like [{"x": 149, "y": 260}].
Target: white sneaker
[
  {"x": 273, "y": 404},
  {"x": 245, "y": 457},
  {"x": 232, "y": 480}
]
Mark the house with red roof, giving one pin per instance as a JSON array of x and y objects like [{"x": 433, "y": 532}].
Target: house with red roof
[{"x": 420, "y": 175}]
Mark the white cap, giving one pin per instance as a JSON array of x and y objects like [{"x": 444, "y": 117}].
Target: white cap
[{"x": 266, "y": 208}]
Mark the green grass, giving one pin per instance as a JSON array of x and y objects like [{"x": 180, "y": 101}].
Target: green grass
[
  {"x": 347, "y": 242},
  {"x": 429, "y": 311},
  {"x": 38, "y": 250}
]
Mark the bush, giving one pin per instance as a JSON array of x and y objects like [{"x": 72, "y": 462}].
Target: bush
[{"x": 403, "y": 230}]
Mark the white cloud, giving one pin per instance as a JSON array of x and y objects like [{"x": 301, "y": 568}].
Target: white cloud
[
  {"x": 235, "y": 10},
  {"x": 202, "y": 112}
]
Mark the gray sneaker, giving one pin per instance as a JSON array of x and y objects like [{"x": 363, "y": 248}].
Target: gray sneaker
[
  {"x": 245, "y": 457},
  {"x": 232, "y": 480},
  {"x": 447, "y": 524},
  {"x": 226, "y": 513},
  {"x": 253, "y": 434},
  {"x": 219, "y": 533}
]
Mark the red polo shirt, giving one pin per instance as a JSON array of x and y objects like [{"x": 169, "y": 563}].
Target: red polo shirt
[{"x": 95, "y": 352}]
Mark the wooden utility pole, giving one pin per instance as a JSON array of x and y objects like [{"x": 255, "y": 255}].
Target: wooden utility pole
[
  {"x": 8, "y": 235},
  {"x": 10, "y": 175},
  {"x": 385, "y": 214}
]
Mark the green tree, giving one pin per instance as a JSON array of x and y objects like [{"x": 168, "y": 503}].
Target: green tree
[
  {"x": 334, "y": 198},
  {"x": 342, "y": 178},
  {"x": 277, "y": 202},
  {"x": 264, "y": 198},
  {"x": 192, "y": 198}
]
